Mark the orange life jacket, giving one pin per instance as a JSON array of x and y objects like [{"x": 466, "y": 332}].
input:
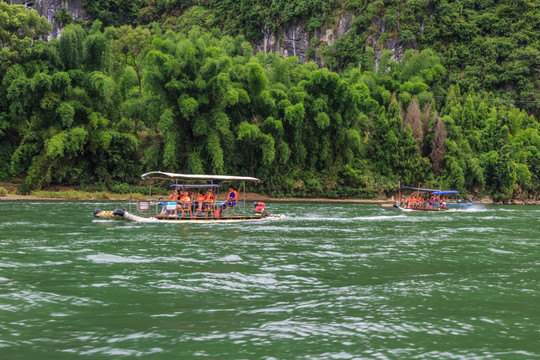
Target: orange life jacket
[
  {"x": 209, "y": 198},
  {"x": 201, "y": 198},
  {"x": 233, "y": 195}
]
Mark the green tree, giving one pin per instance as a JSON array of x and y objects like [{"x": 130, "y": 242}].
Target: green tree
[
  {"x": 71, "y": 46},
  {"x": 19, "y": 27},
  {"x": 130, "y": 48}
]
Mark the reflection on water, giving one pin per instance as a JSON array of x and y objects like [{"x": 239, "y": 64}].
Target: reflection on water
[{"x": 342, "y": 281}]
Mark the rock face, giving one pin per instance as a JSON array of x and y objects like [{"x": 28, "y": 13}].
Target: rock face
[
  {"x": 295, "y": 40},
  {"x": 49, "y": 8}
]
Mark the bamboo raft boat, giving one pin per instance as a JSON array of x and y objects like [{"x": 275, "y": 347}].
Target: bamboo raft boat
[{"x": 192, "y": 212}]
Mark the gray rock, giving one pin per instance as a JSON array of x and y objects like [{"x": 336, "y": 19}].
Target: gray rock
[
  {"x": 295, "y": 40},
  {"x": 49, "y": 8},
  {"x": 292, "y": 42}
]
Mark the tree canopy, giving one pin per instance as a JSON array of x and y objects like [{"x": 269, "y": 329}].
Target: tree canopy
[{"x": 99, "y": 106}]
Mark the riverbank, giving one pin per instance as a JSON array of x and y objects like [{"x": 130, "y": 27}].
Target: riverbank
[{"x": 75, "y": 195}]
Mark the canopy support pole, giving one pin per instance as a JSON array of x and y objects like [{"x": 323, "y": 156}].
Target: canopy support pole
[{"x": 244, "y": 184}]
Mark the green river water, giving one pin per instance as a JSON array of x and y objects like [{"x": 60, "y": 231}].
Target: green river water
[{"x": 331, "y": 281}]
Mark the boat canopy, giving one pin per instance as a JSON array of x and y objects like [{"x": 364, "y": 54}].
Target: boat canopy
[
  {"x": 416, "y": 189},
  {"x": 167, "y": 175},
  {"x": 195, "y": 186},
  {"x": 445, "y": 192}
]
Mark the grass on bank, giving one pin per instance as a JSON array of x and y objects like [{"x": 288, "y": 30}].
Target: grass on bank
[
  {"x": 119, "y": 192},
  {"x": 85, "y": 195}
]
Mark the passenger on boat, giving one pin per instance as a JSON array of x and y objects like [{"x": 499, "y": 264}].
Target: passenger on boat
[
  {"x": 210, "y": 203},
  {"x": 185, "y": 200},
  {"x": 232, "y": 198},
  {"x": 200, "y": 200},
  {"x": 408, "y": 201},
  {"x": 209, "y": 199},
  {"x": 167, "y": 208}
]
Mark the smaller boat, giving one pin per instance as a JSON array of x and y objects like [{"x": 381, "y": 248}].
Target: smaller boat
[
  {"x": 451, "y": 201},
  {"x": 415, "y": 199}
]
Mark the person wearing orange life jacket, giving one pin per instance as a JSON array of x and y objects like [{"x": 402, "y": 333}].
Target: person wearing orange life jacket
[
  {"x": 174, "y": 196},
  {"x": 185, "y": 199},
  {"x": 232, "y": 198},
  {"x": 167, "y": 209},
  {"x": 209, "y": 198},
  {"x": 200, "y": 200}
]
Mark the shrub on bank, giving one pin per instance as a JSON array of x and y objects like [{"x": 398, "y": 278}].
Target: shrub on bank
[{"x": 3, "y": 192}]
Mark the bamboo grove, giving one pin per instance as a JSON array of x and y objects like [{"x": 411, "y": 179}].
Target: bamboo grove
[{"x": 101, "y": 105}]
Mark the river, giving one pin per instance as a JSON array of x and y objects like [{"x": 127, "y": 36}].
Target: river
[{"x": 331, "y": 281}]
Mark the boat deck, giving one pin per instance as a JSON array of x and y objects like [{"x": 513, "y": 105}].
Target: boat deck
[{"x": 209, "y": 218}]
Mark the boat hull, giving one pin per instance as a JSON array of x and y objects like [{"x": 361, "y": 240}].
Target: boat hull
[
  {"x": 120, "y": 214},
  {"x": 459, "y": 205},
  {"x": 399, "y": 208}
]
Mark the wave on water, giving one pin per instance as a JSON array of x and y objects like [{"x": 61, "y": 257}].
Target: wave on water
[
  {"x": 475, "y": 209},
  {"x": 117, "y": 259},
  {"x": 474, "y": 229},
  {"x": 111, "y": 259},
  {"x": 499, "y": 251},
  {"x": 289, "y": 229},
  {"x": 494, "y": 217},
  {"x": 346, "y": 219},
  {"x": 231, "y": 258}
]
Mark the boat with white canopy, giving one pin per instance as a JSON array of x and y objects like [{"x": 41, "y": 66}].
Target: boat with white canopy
[
  {"x": 183, "y": 207},
  {"x": 415, "y": 199}
]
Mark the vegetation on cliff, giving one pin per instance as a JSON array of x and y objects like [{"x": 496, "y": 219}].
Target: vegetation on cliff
[
  {"x": 99, "y": 106},
  {"x": 484, "y": 44}
]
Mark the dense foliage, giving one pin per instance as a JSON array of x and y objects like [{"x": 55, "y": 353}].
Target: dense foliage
[
  {"x": 484, "y": 44},
  {"x": 100, "y": 106}
]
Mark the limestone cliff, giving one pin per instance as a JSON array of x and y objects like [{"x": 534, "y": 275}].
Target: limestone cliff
[
  {"x": 49, "y": 8},
  {"x": 295, "y": 40},
  {"x": 292, "y": 40}
]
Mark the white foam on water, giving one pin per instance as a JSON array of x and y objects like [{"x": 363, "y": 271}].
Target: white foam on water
[
  {"x": 230, "y": 258},
  {"x": 477, "y": 229},
  {"x": 112, "y": 259},
  {"x": 59, "y": 314},
  {"x": 493, "y": 217},
  {"x": 133, "y": 336},
  {"x": 499, "y": 251},
  {"x": 475, "y": 209}
]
